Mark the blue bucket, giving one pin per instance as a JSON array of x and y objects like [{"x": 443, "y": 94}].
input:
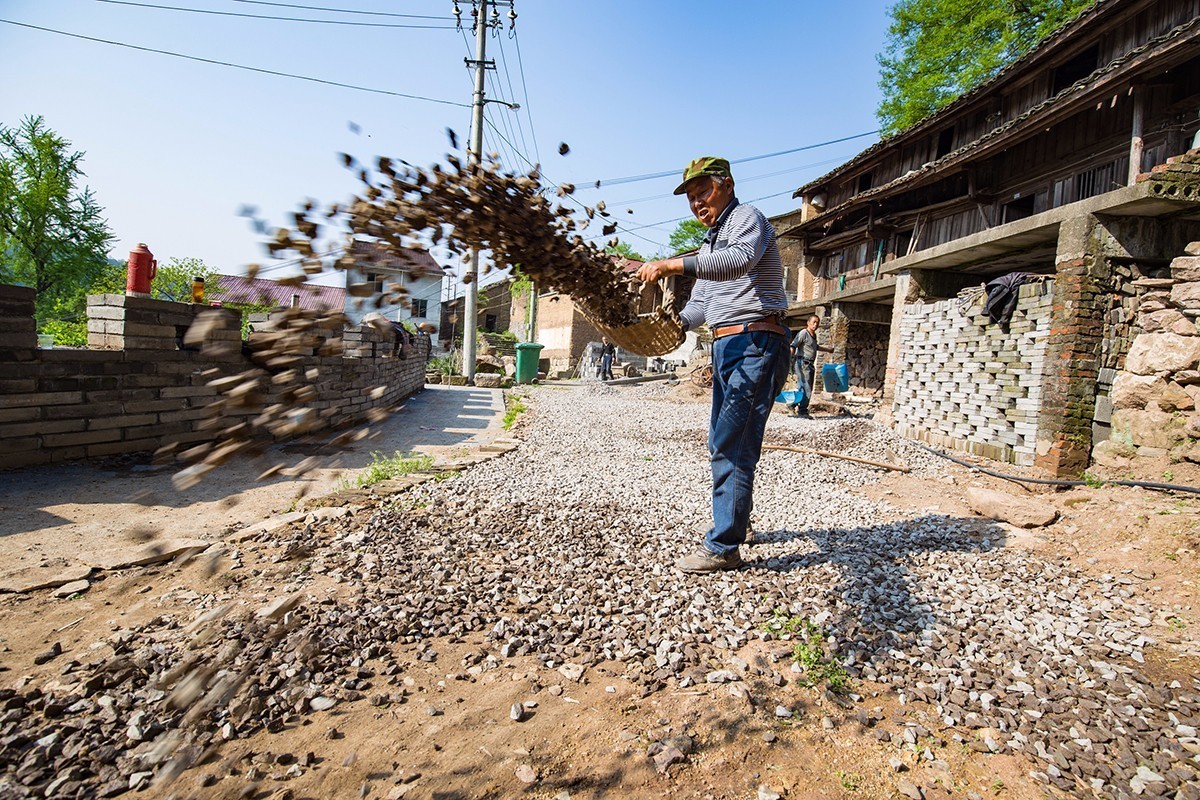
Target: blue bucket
[
  {"x": 791, "y": 397},
  {"x": 836, "y": 378}
]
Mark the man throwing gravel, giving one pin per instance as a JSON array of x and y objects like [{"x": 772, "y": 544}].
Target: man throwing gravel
[{"x": 739, "y": 294}]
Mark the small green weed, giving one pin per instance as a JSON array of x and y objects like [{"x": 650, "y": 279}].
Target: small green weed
[
  {"x": 809, "y": 651},
  {"x": 1091, "y": 480},
  {"x": 514, "y": 409},
  {"x": 1171, "y": 556},
  {"x": 1168, "y": 476},
  {"x": 384, "y": 468},
  {"x": 1176, "y": 623},
  {"x": 849, "y": 780}
]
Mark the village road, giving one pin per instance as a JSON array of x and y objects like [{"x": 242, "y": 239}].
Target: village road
[{"x": 58, "y": 515}]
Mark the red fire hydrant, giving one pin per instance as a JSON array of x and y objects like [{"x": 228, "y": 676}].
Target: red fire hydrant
[{"x": 142, "y": 269}]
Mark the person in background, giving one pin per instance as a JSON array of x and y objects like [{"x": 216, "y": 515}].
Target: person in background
[
  {"x": 607, "y": 353},
  {"x": 804, "y": 351}
]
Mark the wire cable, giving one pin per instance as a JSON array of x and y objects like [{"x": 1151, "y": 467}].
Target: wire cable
[
  {"x": 342, "y": 10},
  {"x": 259, "y": 70},
  {"x": 1162, "y": 487},
  {"x": 511, "y": 92},
  {"x": 272, "y": 17},
  {"x": 568, "y": 196},
  {"x": 747, "y": 159},
  {"x": 525, "y": 91}
]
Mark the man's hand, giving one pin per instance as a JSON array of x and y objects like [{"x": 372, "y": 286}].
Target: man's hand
[{"x": 654, "y": 270}]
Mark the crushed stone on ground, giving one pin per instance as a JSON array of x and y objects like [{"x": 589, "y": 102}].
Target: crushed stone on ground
[{"x": 562, "y": 551}]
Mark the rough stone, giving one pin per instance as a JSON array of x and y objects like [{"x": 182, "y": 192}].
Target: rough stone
[
  {"x": 74, "y": 587},
  {"x": 1186, "y": 295},
  {"x": 1159, "y": 320},
  {"x": 1019, "y": 511},
  {"x": 1175, "y": 398},
  {"x": 1115, "y": 455},
  {"x": 1152, "y": 353},
  {"x": 154, "y": 552},
  {"x": 30, "y": 580},
  {"x": 1151, "y": 428},
  {"x": 488, "y": 380},
  {"x": 1136, "y": 391}
]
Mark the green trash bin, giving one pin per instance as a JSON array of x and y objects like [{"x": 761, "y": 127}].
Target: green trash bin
[{"x": 527, "y": 361}]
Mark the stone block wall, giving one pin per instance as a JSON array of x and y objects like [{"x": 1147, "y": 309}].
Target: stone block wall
[
  {"x": 866, "y": 358},
  {"x": 964, "y": 383},
  {"x": 1156, "y": 393},
  {"x": 143, "y": 386}
]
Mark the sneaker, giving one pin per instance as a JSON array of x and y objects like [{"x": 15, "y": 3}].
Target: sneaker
[{"x": 704, "y": 560}]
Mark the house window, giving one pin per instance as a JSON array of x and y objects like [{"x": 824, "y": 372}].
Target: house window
[
  {"x": 420, "y": 308},
  {"x": 489, "y": 323},
  {"x": 1078, "y": 67},
  {"x": 903, "y": 243},
  {"x": 865, "y": 181},
  {"x": 1020, "y": 208},
  {"x": 945, "y": 142}
]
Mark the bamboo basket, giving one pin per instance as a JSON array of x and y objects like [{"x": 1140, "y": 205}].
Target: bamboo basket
[{"x": 650, "y": 336}]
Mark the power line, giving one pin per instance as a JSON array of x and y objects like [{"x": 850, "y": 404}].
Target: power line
[
  {"x": 239, "y": 66},
  {"x": 525, "y": 90},
  {"x": 675, "y": 172},
  {"x": 742, "y": 181},
  {"x": 571, "y": 197},
  {"x": 341, "y": 10},
  {"x": 272, "y": 17},
  {"x": 511, "y": 92}
]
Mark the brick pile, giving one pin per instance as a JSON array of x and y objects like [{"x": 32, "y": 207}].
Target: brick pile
[
  {"x": 18, "y": 331},
  {"x": 141, "y": 387},
  {"x": 968, "y": 384}
]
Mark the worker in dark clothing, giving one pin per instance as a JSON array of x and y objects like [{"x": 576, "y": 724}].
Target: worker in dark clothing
[
  {"x": 608, "y": 352},
  {"x": 804, "y": 351}
]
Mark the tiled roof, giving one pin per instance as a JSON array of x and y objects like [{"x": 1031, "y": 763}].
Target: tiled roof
[
  {"x": 240, "y": 289},
  {"x": 1049, "y": 44},
  {"x": 416, "y": 262},
  {"x": 1077, "y": 88}
]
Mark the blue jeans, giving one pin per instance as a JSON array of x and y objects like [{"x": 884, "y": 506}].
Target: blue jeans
[{"x": 749, "y": 370}]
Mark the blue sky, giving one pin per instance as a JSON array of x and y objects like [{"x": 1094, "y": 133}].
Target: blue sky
[{"x": 174, "y": 147}]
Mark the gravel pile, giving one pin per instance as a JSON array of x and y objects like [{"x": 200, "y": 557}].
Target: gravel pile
[{"x": 562, "y": 551}]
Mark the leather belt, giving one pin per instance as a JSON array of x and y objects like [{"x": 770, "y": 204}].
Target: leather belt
[{"x": 769, "y": 324}]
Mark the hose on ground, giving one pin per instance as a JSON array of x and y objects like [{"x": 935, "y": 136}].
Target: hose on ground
[{"x": 1162, "y": 487}]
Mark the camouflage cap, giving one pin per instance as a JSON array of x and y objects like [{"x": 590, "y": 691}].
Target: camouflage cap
[{"x": 705, "y": 165}]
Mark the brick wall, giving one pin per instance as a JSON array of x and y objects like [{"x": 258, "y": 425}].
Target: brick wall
[
  {"x": 141, "y": 385},
  {"x": 967, "y": 384}
]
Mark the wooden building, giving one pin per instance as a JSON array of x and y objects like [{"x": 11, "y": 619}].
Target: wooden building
[{"x": 1035, "y": 171}]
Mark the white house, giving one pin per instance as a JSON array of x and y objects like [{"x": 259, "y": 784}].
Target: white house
[{"x": 414, "y": 270}]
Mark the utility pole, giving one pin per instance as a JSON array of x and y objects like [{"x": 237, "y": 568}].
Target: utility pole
[{"x": 473, "y": 158}]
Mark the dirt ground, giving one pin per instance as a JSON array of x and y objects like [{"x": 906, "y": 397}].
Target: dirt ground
[{"x": 443, "y": 730}]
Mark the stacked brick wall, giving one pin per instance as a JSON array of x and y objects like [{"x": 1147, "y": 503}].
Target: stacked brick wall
[
  {"x": 145, "y": 388},
  {"x": 967, "y": 384}
]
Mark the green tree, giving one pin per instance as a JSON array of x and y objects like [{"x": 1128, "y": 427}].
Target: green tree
[
  {"x": 53, "y": 236},
  {"x": 173, "y": 280},
  {"x": 688, "y": 235},
  {"x": 937, "y": 49},
  {"x": 625, "y": 249}
]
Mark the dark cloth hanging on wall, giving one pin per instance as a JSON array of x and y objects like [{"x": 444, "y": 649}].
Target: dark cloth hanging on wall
[{"x": 1002, "y": 295}]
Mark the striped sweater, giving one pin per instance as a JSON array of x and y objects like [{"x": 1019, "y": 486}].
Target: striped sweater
[{"x": 738, "y": 270}]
